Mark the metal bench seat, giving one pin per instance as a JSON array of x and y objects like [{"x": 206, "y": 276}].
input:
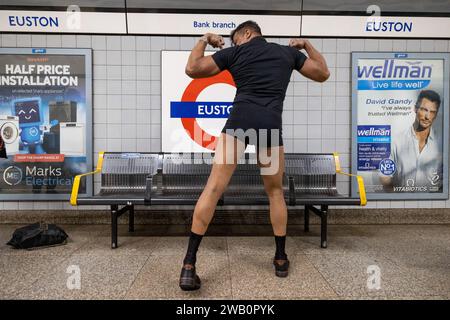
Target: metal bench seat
[{"x": 129, "y": 179}]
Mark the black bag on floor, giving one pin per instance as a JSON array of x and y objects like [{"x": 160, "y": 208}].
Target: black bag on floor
[{"x": 38, "y": 234}]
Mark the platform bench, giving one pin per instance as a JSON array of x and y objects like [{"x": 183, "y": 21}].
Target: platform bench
[{"x": 129, "y": 179}]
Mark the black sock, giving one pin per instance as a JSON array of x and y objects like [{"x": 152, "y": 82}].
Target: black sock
[
  {"x": 194, "y": 243},
  {"x": 280, "y": 243}
]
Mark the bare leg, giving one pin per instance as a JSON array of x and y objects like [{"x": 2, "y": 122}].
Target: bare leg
[
  {"x": 273, "y": 185},
  {"x": 273, "y": 158},
  {"x": 227, "y": 153}
]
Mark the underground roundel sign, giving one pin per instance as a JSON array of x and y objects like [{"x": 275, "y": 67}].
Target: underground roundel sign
[{"x": 194, "y": 111}]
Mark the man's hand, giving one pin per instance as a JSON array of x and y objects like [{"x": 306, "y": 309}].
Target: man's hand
[
  {"x": 215, "y": 40},
  {"x": 298, "y": 43}
]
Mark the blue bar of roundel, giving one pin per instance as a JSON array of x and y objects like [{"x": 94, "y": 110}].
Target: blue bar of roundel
[
  {"x": 200, "y": 109},
  {"x": 389, "y": 84}
]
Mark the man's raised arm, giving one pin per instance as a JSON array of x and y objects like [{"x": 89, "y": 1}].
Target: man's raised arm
[
  {"x": 315, "y": 67},
  {"x": 199, "y": 65}
]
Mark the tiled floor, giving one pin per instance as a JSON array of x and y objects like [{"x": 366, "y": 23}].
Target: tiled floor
[{"x": 413, "y": 261}]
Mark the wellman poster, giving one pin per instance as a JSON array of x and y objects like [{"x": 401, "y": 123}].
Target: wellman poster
[
  {"x": 45, "y": 122},
  {"x": 400, "y": 124}
]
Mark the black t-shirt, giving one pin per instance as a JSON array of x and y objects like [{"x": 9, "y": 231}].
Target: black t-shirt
[{"x": 261, "y": 71}]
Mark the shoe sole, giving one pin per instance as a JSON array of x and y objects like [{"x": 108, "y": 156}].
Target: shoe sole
[
  {"x": 189, "y": 284},
  {"x": 281, "y": 274}
]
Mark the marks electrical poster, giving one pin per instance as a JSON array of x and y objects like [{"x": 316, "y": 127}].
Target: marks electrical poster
[{"x": 45, "y": 121}]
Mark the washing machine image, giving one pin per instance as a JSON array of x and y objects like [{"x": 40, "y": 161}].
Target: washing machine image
[
  {"x": 72, "y": 139},
  {"x": 63, "y": 111},
  {"x": 9, "y": 129}
]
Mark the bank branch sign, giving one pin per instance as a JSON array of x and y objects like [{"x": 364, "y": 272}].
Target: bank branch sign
[
  {"x": 194, "y": 111},
  {"x": 199, "y": 24}
]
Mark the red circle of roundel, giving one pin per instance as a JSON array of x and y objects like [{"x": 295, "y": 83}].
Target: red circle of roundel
[{"x": 191, "y": 94}]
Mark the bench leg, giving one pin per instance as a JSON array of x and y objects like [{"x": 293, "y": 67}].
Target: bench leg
[
  {"x": 114, "y": 218},
  {"x": 306, "y": 219},
  {"x": 131, "y": 219},
  {"x": 323, "y": 228}
]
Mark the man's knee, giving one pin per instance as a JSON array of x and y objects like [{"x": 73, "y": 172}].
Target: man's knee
[{"x": 274, "y": 191}]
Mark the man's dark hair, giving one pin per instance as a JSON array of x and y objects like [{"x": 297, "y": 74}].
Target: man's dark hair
[
  {"x": 431, "y": 95},
  {"x": 246, "y": 25}
]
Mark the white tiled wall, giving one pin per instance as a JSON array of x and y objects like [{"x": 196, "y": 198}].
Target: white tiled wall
[{"x": 127, "y": 97}]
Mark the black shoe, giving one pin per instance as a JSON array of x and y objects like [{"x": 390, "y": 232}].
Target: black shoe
[
  {"x": 281, "y": 267},
  {"x": 189, "y": 280}
]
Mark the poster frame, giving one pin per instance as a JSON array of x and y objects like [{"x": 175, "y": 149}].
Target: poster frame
[
  {"x": 87, "y": 53},
  {"x": 355, "y": 56}
]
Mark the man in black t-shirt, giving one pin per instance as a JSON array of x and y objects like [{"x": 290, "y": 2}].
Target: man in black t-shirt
[{"x": 261, "y": 71}]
